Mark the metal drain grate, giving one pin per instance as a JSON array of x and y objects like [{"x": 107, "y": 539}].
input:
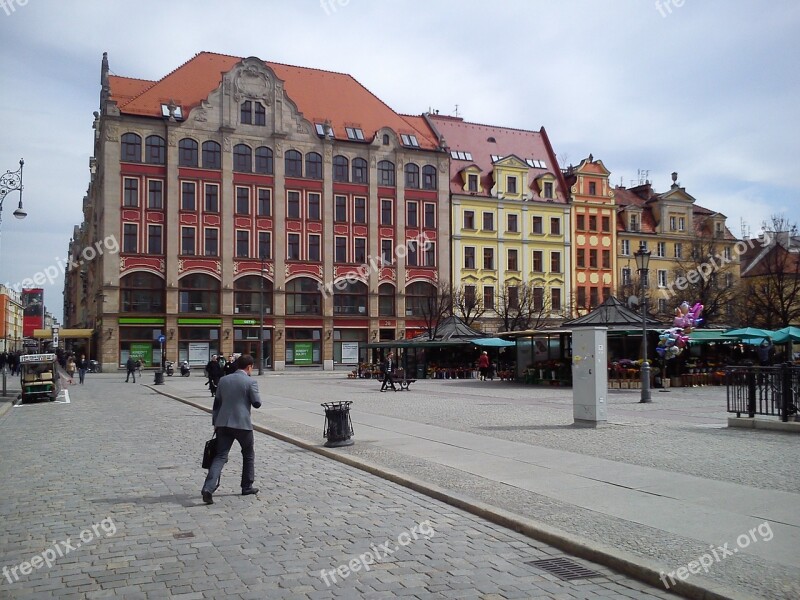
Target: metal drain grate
[
  {"x": 183, "y": 535},
  {"x": 564, "y": 568}
]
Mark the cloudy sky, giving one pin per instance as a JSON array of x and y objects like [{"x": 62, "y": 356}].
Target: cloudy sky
[{"x": 707, "y": 88}]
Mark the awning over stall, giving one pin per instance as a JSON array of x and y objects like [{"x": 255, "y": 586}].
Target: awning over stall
[{"x": 492, "y": 342}]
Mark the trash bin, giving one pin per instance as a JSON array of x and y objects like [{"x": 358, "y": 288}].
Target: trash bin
[
  {"x": 338, "y": 426},
  {"x": 159, "y": 380}
]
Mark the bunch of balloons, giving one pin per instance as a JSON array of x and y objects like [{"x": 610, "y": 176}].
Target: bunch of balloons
[{"x": 672, "y": 342}]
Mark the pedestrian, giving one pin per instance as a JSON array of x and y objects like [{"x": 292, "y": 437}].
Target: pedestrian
[
  {"x": 71, "y": 368},
  {"x": 82, "y": 365},
  {"x": 236, "y": 395},
  {"x": 389, "y": 367},
  {"x": 764, "y": 351},
  {"x": 483, "y": 365},
  {"x": 131, "y": 368},
  {"x": 139, "y": 366},
  {"x": 214, "y": 374}
]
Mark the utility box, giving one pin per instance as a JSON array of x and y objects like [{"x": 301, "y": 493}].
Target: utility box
[{"x": 590, "y": 376}]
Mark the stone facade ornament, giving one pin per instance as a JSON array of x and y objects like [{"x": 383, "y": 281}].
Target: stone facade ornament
[
  {"x": 226, "y": 143},
  {"x": 111, "y": 134}
]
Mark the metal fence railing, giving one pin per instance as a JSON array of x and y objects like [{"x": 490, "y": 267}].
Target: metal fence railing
[{"x": 771, "y": 391}]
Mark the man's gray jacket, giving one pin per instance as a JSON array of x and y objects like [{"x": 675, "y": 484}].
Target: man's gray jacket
[{"x": 235, "y": 395}]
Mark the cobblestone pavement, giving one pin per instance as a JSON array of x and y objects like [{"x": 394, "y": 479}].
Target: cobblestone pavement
[
  {"x": 682, "y": 431},
  {"x": 101, "y": 499}
]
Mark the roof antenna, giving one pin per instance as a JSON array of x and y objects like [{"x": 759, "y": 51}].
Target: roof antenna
[{"x": 456, "y": 110}]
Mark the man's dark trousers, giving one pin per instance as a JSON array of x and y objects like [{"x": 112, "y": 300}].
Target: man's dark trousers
[
  {"x": 225, "y": 439},
  {"x": 388, "y": 380}
]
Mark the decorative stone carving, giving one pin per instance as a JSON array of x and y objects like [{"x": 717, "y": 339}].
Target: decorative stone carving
[
  {"x": 199, "y": 115},
  {"x": 111, "y": 134},
  {"x": 373, "y": 162},
  {"x": 226, "y": 144},
  {"x": 442, "y": 167},
  {"x": 252, "y": 83},
  {"x": 328, "y": 154},
  {"x": 278, "y": 149},
  {"x": 173, "y": 139}
]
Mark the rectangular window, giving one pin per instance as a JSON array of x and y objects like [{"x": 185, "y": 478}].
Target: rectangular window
[
  {"x": 661, "y": 249},
  {"x": 360, "y": 251},
  {"x": 212, "y": 198},
  {"x": 592, "y": 188},
  {"x": 340, "y": 209},
  {"x": 606, "y": 259},
  {"x": 555, "y": 226},
  {"x": 242, "y": 244},
  {"x": 386, "y": 212},
  {"x": 313, "y": 206},
  {"x": 488, "y": 297},
  {"x": 360, "y": 214},
  {"x": 211, "y": 237},
  {"x": 293, "y": 205},
  {"x": 538, "y": 261},
  {"x": 727, "y": 253},
  {"x": 188, "y": 196},
  {"x": 430, "y": 254},
  {"x": 626, "y": 276},
  {"x": 264, "y": 245},
  {"x": 155, "y": 194},
  {"x": 242, "y": 201},
  {"x": 469, "y": 257},
  {"x": 260, "y": 114},
  {"x": 154, "y": 237},
  {"x": 387, "y": 252},
  {"x": 662, "y": 305},
  {"x": 555, "y": 262},
  {"x": 580, "y": 222},
  {"x": 606, "y": 294},
  {"x": 678, "y": 251},
  {"x": 411, "y": 214},
  {"x": 488, "y": 258},
  {"x": 581, "y": 297},
  {"x": 580, "y": 258},
  {"x": 430, "y": 216},
  {"x": 264, "y": 202},
  {"x": 594, "y": 298},
  {"x": 662, "y": 278},
  {"x": 131, "y": 197},
  {"x": 606, "y": 224},
  {"x": 643, "y": 245},
  {"x": 634, "y": 223},
  {"x": 538, "y": 299},
  {"x": 538, "y": 228},
  {"x": 340, "y": 250},
  {"x": 513, "y": 226},
  {"x": 592, "y": 222},
  {"x": 681, "y": 223},
  {"x": 472, "y": 183},
  {"x": 626, "y": 248},
  {"x": 469, "y": 219},
  {"x": 293, "y": 246},
  {"x": 488, "y": 221},
  {"x": 555, "y": 299},
  {"x": 314, "y": 247},
  {"x": 592, "y": 258},
  {"x": 412, "y": 260},
  {"x": 511, "y": 185},
  {"x": 130, "y": 234},
  {"x": 513, "y": 297},
  {"x": 512, "y": 263},
  {"x": 187, "y": 241}
]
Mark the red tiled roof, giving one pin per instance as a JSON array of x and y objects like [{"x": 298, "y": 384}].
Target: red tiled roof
[
  {"x": 127, "y": 88},
  {"x": 473, "y": 138},
  {"x": 319, "y": 95}
]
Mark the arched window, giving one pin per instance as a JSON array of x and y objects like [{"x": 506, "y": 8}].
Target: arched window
[
  {"x": 386, "y": 173},
  {"x": 242, "y": 158},
  {"x": 141, "y": 292},
  {"x": 313, "y": 166},
  {"x": 264, "y": 161},
  {"x": 360, "y": 171},
  {"x": 155, "y": 150},
  {"x": 412, "y": 176},
  {"x": 341, "y": 168},
  {"x": 187, "y": 153},
  {"x": 212, "y": 155},
  {"x": 351, "y": 300},
  {"x": 385, "y": 139},
  {"x": 428, "y": 177},
  {"x": 247, "y": 295},
  {"x": 246, "y": 112},
  {"x": 421, "y": 299},
  {"x": 303, "y": 297},
  {"x": 198, "y": 293},
  {"x": 131, "y": 148},
  {"x": 294, "y": 164},
  {"x": 386, "y": 300}
]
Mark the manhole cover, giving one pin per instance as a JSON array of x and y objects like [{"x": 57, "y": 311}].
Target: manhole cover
[
  {"x": 183, "y": 535},
  {"x": 564, "y": 568}
]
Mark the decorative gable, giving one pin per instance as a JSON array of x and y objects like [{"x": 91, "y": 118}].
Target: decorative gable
[{"x": 510, "y": 178}]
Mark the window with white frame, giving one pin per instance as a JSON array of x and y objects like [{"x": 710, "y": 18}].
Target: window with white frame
[
  {"x": 662, "y": 278},
  {"x": 626, "y": 248}
]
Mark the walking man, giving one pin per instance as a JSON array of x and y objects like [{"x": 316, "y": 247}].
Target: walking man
[
  {"x": 235, "y": 396},
  {"x": 82, "y": 365},
  {"x": 389, "y": 367},
  {"x": 130, "y": 366},
  {"x": 483, "y": 365}
]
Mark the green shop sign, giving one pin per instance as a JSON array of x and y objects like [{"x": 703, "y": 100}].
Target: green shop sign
[
  {"x": 303, "y": 353},
  {"x": 142, "y": 351}
]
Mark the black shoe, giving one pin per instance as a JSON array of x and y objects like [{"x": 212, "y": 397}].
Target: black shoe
[
  {"x": 249, "y": 491},
  {"x": 207, "y": 498}
]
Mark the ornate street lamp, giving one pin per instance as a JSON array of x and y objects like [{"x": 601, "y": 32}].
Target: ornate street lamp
[
  {"x": 11, "y": 181},
  {"x": 642, "y": 262}
]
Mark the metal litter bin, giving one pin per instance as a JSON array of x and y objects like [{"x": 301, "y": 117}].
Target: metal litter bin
[
  {"x": 338, "y": 426},
  {"x": 159, "y": 380}
]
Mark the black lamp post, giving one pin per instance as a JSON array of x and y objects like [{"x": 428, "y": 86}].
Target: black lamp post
[
  {"x": 642, "y": 262},
  {"x": 261, "y": 313},
  {"x": 9, "y": 182}
]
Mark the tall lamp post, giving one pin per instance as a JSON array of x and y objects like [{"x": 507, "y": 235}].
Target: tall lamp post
[
  {"x": 261, "y": 314},
  {"x": 12, "y": 181},
  {"x": 642, "y": 262}
]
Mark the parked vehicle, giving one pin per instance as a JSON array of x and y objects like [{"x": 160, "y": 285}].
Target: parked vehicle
[
  {"x": 170, "y": 368},
  {"x": 186, "y": 370},
  {"x": 39, "y": 377},
  {"x": 94, "y": 367}
]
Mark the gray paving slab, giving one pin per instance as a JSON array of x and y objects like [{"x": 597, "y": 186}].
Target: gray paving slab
[{"x": 109, "y": 482}]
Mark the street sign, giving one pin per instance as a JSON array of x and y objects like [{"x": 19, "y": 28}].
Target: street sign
[
  {"x": 55, "y": 336},
  {"x": 161, "y": 339}
]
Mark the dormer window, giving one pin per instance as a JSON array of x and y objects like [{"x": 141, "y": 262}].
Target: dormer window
[
  {"x": 536, "y": 164},
  {"x": 511, "y": 185},
  {"x": 409, "y": 140},
  {"x": 177, "y": 113},
  {"x": 324, "y": 129},
  {"x": 472, "y": 182},
  {"x": 633, "y": 223},
  {"x": 354, "y": 133},
  {"x": 548, "y": 189},
  {"x": 459, "y": 155}
]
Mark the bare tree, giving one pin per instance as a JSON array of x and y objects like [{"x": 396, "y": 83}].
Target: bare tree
[
  {"x": 435, "y": 307},
  {"x": 522, "y": 306},
  {"x": 467, "y": 305},
  {"x": 769, "y": 292}
]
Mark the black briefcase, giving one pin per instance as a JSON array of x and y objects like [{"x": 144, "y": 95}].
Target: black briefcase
[{"x": 210, "y": 451}]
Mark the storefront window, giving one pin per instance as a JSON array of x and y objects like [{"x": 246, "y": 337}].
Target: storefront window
[
  {"x": 197, "y": 344},
  {"x": 349, "y": 346},
  {"x": 247, "y": 295},
  {"x": 246, "y": 342},
  {"x": 303, "y": 346},
  {"x": 198, "y": 293},
  {"x": 141, "y": 343},
  {"x": 141, "y": 293}
]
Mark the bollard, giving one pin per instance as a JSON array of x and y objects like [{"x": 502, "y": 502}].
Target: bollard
[
  {"x": 159, "y": 378},
  {"x": 338, "y": 426}
]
